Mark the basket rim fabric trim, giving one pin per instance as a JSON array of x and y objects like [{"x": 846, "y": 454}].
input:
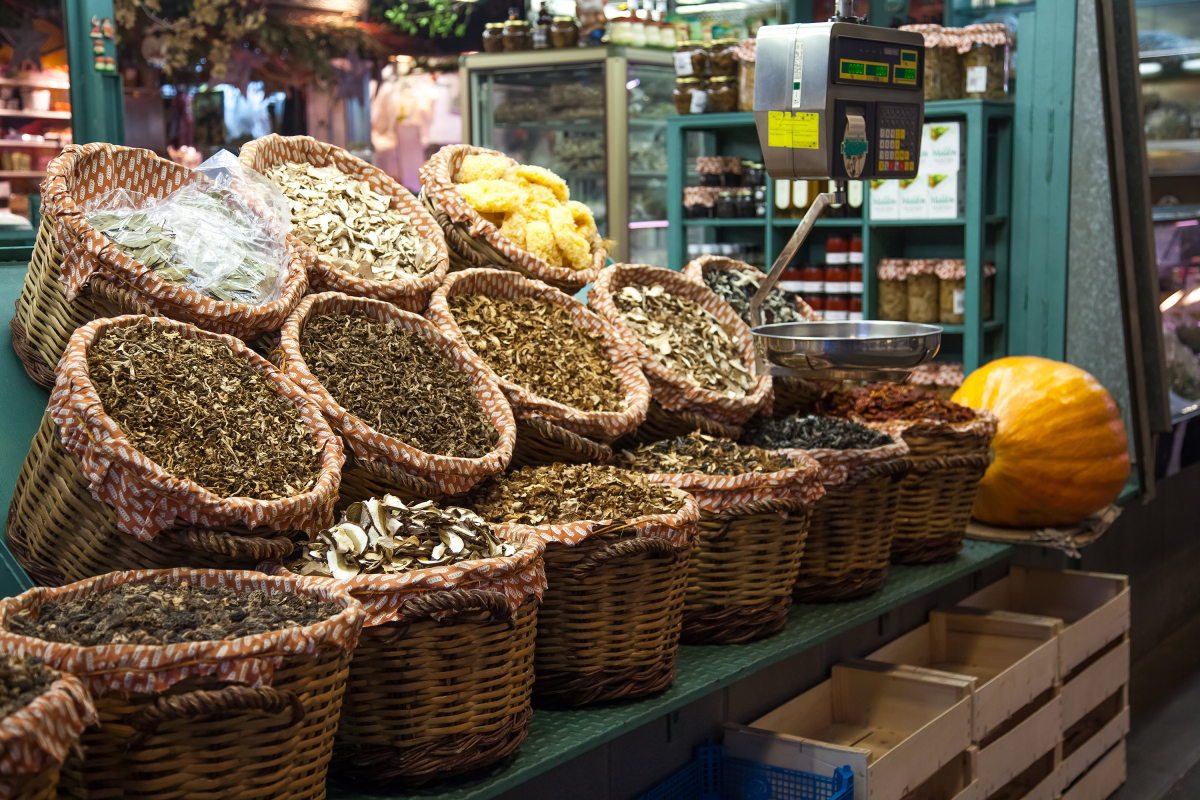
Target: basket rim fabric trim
[
  {"x": 41, "y": 734},
  {"x": 717, "y": 492},
  {"x": 697, "y": 268},
  {"x": 677, "y": 527}
]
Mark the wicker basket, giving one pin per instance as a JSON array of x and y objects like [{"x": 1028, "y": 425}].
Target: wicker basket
[
  {"x": 215, "y": 719},
  {"x": 662, "y": 424},
  {"x": 35, "y": 739},
  {"x": 609, "y": 622},
  {"x": 850, "y": 536},
  {"x": 475, "y": 242},
  {"x": 935, "y": 507},
  {"x": 541, "y": 442}
]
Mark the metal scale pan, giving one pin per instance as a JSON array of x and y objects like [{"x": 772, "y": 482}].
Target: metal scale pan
[{"x": 864, "y": 350}]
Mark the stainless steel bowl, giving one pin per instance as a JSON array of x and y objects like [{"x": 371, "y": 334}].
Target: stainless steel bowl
[{"x": 867, "y": 350}]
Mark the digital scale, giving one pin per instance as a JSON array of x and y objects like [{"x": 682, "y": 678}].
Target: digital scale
[{"x": 838, "y": 100}]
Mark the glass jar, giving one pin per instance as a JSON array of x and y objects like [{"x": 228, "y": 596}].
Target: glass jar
[
  {"x": 493, "y": 37},
  {"x": 518, "y": 35},
  {"x": 622, "y": 30},
  {"x": 943, "y": 66},
  {"x": 745, "y": 203},
  {"x": 837, "y": 251},
  {"x": 722, "y": 95},
  {"x": 952, "y": 291},
  {"x": 893, "y": 289},
  {"x": 746, "y": 57},
  {"x": 923, "y": 290},
  {"x": 691, "y": 59},
  {"x": 812, "y": 279},
  {"x": 817, "y": 303},
  {"x": 790, "y": 280},
  {"x": 564, "y": 33},
  {"x": 837, "y": 278},
  {"x": 837, "y": 307},
  {"x": 985, "y": 63},
  {"x": 637, "y": 32},
  {"x": 726, "y": 205},
  {"x": 711, "y": 170},
  {"x": 722, "y": 58},
  {"x": 753, "y": 173},
  {"x": 666, "y": 35},
  {"x": 760, "y": 201},
  {"x": 856, "y": 275},
  {"x": 731, "y": 168},
  {"x": 856, "y": 307},
  {"x": 696, "y": 203},
  {"x": 690, "y": 95}
]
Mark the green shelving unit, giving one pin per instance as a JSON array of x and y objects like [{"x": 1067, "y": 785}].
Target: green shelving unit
[{"x": 981, "y": 234}]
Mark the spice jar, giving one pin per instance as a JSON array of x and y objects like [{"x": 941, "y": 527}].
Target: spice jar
[
  {"x": 493, "y": 37},
  {"x": 812, "y": 280},
  {"x": 837, "y": 307},
  {"x": 760, "y": 201},
  {"x": 722, "y": 95},
  {"x": 855, "y": 307},
  {"x": 893, "y": 289},
  {"x": 722, "y": 60},
  {"x": 693, "y": 203},
  {"x": 817, "y": 303},
  {"x": 518, "y": 35},
  {"x": 745, "y": 203},
  {"x": 943, "y": 65},
  {"x": 856, "y": 273},
  {"x": 753, "y": 173},
  {"x": 691, "y": 95},
  {"x": 984, "y": 54},
  {"x": 732, "y": 169},
  {"x": 564, "y": 33},
  {"x": 747, "y": 52},
  {"x": 952, "y": 290},
  {"x": 711, "y": 170},
  {"x": 726, "y": 205},
  {"x": 691, "y": 59},
  {"x": 791, "y": 280},
  {"x": 923, "y": 290},
  {"x": 989, "y": 290}
]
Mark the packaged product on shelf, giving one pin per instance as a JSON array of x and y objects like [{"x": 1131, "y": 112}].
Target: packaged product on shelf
[
  {"x": 711, "y": 170},
  {"x": 923, "y": 290},
  {"x": 666, "y": 35},
  {"x": 913, "y": 197},
  {"x": 943, "y": 199},
  {"x": 564, "y": 33},
  {"x": 541, "y": 29},
  {"x": 989, "y": 291},
  {"x": 837, "y": 279},
  {"x": 854, "y": 199},
  {"x": 691, "y": 59},
  {"x": 493, "y": 37},
  {"x": 732, "y": 168},
  {"x": 518, "y": 35},
  {"x": 893, "y": 289},
  {"x": 817, "y": 303},
  {"x": 984, "y": 51},
  {"x": 745, "y": 203},
  {"x": 943, "y": 66},
  {"x": 690, "y": 95},
  {"x": 885, "y": 199},
  {"x": 747, "y": 53},
  {"x": 722, "y": 58},
  {"x": 837, "y": 307},
  {"x": 791, "y": 280},
  {"x": 783, "y": 198},
  {"x": 856, "y": 262},
  {"x": 753, "y": 174},
  {"x": 942, "y": 377},
  {"x": 837, "y": 251},
  {"x": 722, "y": 94},
  {"x": 856, "y": 309},
  {"x": 699, "y": 202},
  {"x": 812, "y": 279},
  {"x": 952, "y": 280},
  {"x": 726, "y": 204},
  {"x": 941, "y": 147}
]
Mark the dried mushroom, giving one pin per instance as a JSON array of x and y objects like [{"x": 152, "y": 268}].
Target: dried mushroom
[
  {"x": 812, "y": 433},
  {"x": 22, "y": 680},
  {"x": 698, "y": 452},
  {"x": 387, "y": 537},
  {"x": 537, "y": 345},
  {"x": 200, "y": 411},
  {"x": 398, "y": 384},
  {"x": 738, "y": 287},
  {"x": 340, "y": 217},
  {"x": 562, "y": 493},
  {"x": 161, "y": 612},
  {"x": 686, "y": 338}
]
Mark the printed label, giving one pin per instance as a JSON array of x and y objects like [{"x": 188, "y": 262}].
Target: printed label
[
  {"x": 977, "y": 79},
  {"x": 797, "y": 73},
  {"x": 683, "y": 65},
  {"x": 699, "y": 101},
  {"x": 798, "y": 131},
  {"x": 960, "y": 301}
]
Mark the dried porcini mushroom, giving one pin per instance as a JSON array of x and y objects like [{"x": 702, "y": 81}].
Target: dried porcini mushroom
[
  {"x": 341, "y": 217},
  {"x": 698, "y": 452},
  {"x": 738, "y": 287},
  {"x": 812, "y": 433},
  {"x": 161, "y": 612},
  {"x": 22, "y": 680},
  {"x": 562, "y": 493},
  {"x": 883, "y": 402},
  {"x": 538, "y": 345},
  {"x": 387, "y": 537},
  {"x": 398, "y": 383},
  {"x": 202, "y": 412},
  {"x": 686, "y": 338}
]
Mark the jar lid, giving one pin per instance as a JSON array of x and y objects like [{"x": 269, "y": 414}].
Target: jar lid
[
  {"x": 725, "y": 194},
  {"x": 494, "y": 25},
  {"x": 518, "y": 22},
  {"x": 687, "y": 80},
  {"x": 723, "y": 78},
  {"x": 692, "y": 43},
  {"x": 725, "y": 41},
  {"x": 893, "y": 269},
  {"x": 564, "y": 19}
]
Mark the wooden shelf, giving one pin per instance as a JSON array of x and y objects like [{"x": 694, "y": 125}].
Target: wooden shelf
[
  {"x": 22, "y": 173},
  {"x": 8, "y": 112},
  {"x": 34, "y": 83}
]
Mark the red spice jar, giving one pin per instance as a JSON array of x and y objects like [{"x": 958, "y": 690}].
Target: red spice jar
[
  {"x": 837, "y": 278},
  {"x": 837, "y": 250},
  {"x": 837, "y": 307},
  {"x": 856, "y": 307},
  {"x": 856, "y": 272},
  {"x": 817, "y": 303},
  {"x": 812, "y": 280},
  {"x": 791, "y": 280}
]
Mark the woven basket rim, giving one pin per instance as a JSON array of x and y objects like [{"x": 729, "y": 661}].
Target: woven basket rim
[
  {"x": 647, "y": 525},
  {"x": 983, "y": 426},
  {"x": 293, "y": 359},
  {"x": 697, "y": 268},
  {"x": 39, "y": 734}
]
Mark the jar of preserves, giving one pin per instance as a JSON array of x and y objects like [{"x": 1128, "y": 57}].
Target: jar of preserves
[
  {"x": 923, "y": 290},
  {"x": 856, "y": 273},
  {"x": 812, "y": 279},
  {"x": 564, "y": 33},
  {"x": 837, "y": 251},
  {"x": 518, "y": 35},
  {"x": 943, "y": 65},
  {"x": 732, "y": 168},
  {"x": 856, "y": 307},
  {"x": 790, "y": 280},
  {"x": 691, "y": 59},
  {"x": 817, "y": 303},
  {"x": 493, "y": 37},
  {"x": 622, "y": 30},
  {"x": 722, "y": 95},
  {"x": 711, "y": 170},
  {"x": 726, "y": 205},
  {"x": 984, "y": 52},
  {"x": 837, "y": 307},
  {"x": 753, "y": 173},
  {"x": 690, "y": 96},
  {"x": 952, "y": 290},
  {"x": 893, "y": 289},
  {"x": 745, "y": 203},
  {"x": 837, "y": 278},
  {"x": 666, "y": 35},
  {"x": 746, "y": 57},
  {"x": 637, "y": 31},
  {"x": 722, "y": 58}
]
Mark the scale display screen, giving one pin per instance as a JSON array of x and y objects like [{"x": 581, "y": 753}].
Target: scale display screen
[{"x": 865, "y": 61}]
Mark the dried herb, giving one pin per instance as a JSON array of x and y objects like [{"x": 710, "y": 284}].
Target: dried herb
[
  {"x": 564, "y": 493},
  {"x": 340, "y": 217},
  {"x": 686, "y": 338},
  {"x": 202, "y": 412},
  {"x": 22, "y": 680},
  {"x": 697, "y": 452},
  {"x": 387, "y": 537},
  {"x": 738, "y": 287},
  {"x": 161, "y": 612},
  {"x": 398, "y": 384},
  {"x": 812, "y": 433},
  {"x": 537, "y": 345},
  {"x": 881, "y": 402}
]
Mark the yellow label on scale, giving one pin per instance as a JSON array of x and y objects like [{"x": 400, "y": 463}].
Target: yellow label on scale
[{"x": 799, "y": 131}]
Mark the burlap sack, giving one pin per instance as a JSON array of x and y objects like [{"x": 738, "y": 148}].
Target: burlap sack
[
  {"x": 146, "y": 497},
  {"x": 407, "y": 291},
  {"x": 82, "y": 172},
  {"x": 250, "y": 660},
  {"x": 39, "y": 736},
  {"x": 451, "y": 474},
  {"x": 526, "y": 404},
  {"x": 697, "y": 268},
  {"x": 676, "y": 392},
  {"x": 462, "y": 223},
  {"x": 717, "y": 492}
]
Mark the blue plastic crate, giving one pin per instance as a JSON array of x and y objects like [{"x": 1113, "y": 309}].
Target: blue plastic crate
[{"x": 712, "y": 775}]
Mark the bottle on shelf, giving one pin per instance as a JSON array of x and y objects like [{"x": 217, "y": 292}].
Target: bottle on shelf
[
  {"x": 541, "y": 28},
  {"x": 854, "y": 199},
  {"x": 801, "y": 198},
  {"x": 835, "y": 210},
  {"x": 783, "y": 198}
]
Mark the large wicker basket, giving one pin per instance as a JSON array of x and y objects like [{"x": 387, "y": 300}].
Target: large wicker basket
[
  {"x": 608, "y": 626},
  {"x": 36, "y": 738},
  {"x": 215, "y": 719}
]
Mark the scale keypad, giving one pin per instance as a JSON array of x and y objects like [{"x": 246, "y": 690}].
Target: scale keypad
[{"x": 899, "y": 137}]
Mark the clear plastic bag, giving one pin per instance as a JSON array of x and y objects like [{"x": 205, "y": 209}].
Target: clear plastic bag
[
  {"x": 225, "y": 170},
  {"x": 205, "y": 237}
]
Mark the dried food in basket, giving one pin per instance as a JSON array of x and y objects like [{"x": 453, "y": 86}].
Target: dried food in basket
[
  {"x": 813, "y": 433},
  {"x": 22, "y": 680},
  {"x": 887, "y": 402},
  {"x": 708, "y": 455},
  {"x": 563, "y": 493},
  {"x": 738, "y": 287}
]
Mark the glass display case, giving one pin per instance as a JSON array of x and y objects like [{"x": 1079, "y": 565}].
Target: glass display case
[
  {"x": 597, "y": 117},
  {"x": 1169, "y": 64}
]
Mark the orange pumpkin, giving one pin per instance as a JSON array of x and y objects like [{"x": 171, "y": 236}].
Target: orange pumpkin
[{"x": 1061, "y": 449}]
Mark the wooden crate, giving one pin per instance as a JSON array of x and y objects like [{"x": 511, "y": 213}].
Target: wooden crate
[
  {"x": 1102, "y": 779},
  {"x": 1093, "y": 606},
  {"x": 1039, "y": 781},
  {"x": 954, "y": 781},
  {"x": 1091, "y": 737},
  {"x": 1013, "y": 659},
  {"x": 1095, "y": 679},
  {"x": 894, "y": 727}
]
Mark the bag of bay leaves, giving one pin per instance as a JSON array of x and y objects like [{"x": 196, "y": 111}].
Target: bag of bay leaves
[
  {"x": 572, "y": 382},
  {"x": 366, "y": 234},
  {"x": 144, "y": 234},
  {"x": 696, "y": 353}
]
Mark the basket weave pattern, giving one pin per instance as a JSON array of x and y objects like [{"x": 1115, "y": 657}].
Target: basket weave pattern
[
  {"x": 35, "y": 739},
  {"x": 408, "y": 291},
  {"x": 935, "y": 507}
]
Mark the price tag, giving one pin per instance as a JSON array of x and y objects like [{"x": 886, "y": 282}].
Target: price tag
[
  {"x": 683, "y": 65},
  {"x": 960, "y": 301},
  {"x": 977, "y": 79},
  {"x": 699, "y": 101}
]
